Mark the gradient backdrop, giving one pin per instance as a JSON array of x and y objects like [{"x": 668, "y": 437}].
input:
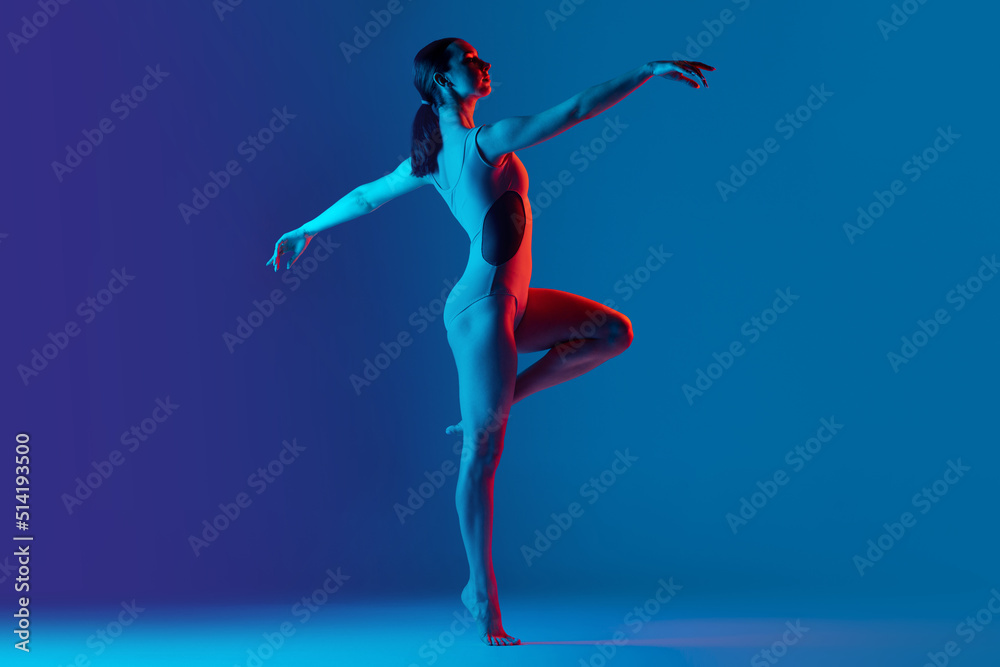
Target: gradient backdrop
[{"x": 818, "y": 114}]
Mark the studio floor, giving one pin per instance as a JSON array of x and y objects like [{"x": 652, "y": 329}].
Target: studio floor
[{"x": 753, "y": 630}]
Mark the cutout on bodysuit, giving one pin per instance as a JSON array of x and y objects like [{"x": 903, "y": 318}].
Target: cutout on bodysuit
[{"x": 503, "y": 228}]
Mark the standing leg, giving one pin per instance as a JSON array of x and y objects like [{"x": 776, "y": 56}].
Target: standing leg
[{"x": 482, "y": 341}]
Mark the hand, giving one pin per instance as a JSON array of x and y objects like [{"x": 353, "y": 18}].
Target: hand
[
  {"x": 292, "y": 244},
  {"x": 676, "y": 69}
]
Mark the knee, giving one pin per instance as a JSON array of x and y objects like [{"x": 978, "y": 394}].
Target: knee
[
  {"x": 482, "y": 441},
  {"x": 480, "y": 452},
  {"x": 619, "y": 332}
]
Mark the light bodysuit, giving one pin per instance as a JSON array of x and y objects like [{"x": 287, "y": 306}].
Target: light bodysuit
[{"x": 491, "y": 203}]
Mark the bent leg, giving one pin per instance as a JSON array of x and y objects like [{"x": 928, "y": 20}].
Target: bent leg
[
  {"x": 579, "y": 333},
  {"x": 482, "y": 341}
]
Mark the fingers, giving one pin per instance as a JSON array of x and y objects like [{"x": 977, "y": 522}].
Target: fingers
[
  {"x": 677, "y": 76},
  {"x": 282, "y": 250},
  {"x": 692, "y": 68}
]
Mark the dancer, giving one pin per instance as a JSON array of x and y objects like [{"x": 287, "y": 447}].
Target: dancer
[{"x": 491, "y": 314}]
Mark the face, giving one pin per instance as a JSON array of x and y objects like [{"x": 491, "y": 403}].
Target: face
[{"x": 468, "y": 73}]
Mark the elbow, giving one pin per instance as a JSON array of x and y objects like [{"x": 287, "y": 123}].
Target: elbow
[
  {"x": 361, "y": 201},
  {"x": 572, "y": 109},
  {"x": 582, "y": 111}
]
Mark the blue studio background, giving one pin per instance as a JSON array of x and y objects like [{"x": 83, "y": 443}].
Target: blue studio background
[{"x": 677, "y": 176}]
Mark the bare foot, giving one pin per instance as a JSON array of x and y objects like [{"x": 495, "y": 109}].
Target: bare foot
[
  {"x": 490, "y": 629},
  {"x": 457, "y": 428}
]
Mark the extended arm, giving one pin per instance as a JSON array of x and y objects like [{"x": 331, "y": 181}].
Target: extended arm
[
  {"x": 596, "y": 99},
  {"x": 350, "y": 206},
  {"x": 517, "y": 132},
  {"x": 292, "y": 244},
  {"x": 366, "y": 198}
]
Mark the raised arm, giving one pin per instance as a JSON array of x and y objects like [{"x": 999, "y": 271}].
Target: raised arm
[{"x": 517, "y": 132}]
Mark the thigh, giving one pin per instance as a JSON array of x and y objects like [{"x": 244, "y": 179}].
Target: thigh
[
  {"x": 553, "y": 316},
  {"x": 482, "y": 340}
]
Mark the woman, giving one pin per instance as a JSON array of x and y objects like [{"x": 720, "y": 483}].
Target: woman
[{"x": 491, "y": 314}]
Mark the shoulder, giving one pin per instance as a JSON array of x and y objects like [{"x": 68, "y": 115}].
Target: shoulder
[{"x": 483, "y": 144}]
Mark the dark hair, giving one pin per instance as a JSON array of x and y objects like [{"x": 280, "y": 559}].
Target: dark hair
[{"x": 426, "y": 141}]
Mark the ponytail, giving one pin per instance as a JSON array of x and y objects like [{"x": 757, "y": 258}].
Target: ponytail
[{"x": 426, "y": 140}]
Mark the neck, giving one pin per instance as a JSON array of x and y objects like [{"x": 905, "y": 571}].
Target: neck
[{"x": 460, "y": 112}]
